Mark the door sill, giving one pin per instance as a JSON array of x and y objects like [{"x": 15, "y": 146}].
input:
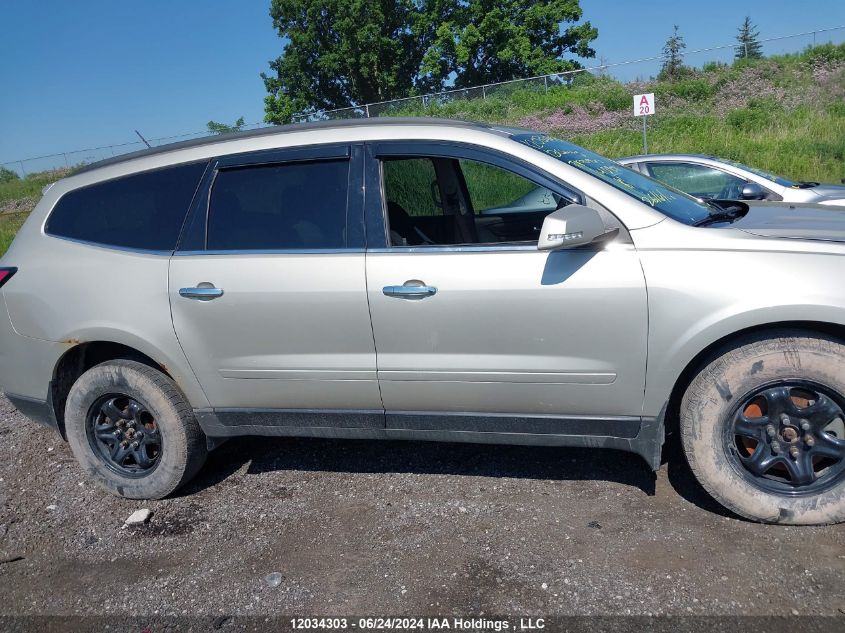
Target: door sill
[{"x": 640, "y": 435}]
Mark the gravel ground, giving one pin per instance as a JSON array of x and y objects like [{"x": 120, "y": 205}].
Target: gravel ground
[{"x": 362, "y": 528}]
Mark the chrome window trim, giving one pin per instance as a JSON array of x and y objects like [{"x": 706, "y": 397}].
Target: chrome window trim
[
  {"x": 280, "y": 251},
  {"x": 463, "y": 248}
]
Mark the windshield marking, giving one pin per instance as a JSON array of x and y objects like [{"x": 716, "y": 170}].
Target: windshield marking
[{"x": 658, "y": 196}]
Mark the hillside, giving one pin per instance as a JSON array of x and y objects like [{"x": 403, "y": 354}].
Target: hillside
[{"x": 783, "y": 114}]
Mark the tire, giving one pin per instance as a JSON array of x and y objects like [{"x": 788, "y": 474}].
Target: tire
[
  {"x": 739, "y": 444},
  {"x": 128, "y": 402}
]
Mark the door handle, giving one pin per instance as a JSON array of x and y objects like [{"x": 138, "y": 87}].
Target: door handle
[
  {"x": 412, "y": 289},
  {"x": 203, "y": 294}
]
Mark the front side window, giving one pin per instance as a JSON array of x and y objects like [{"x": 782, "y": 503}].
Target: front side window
[
  {"x": 433, "y": 201},
  {"x": 670, "y": 202},
  {"x": 783, "y": 182},
  {"x": 698, "y": 180},
  {"x": 144, "y": 211},
  {"x": 298, "y": 205}
]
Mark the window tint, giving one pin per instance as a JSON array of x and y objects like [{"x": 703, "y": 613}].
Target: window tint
[
  {"x": 411, "y": 183},
  {"x": 273, "y": 207},
  {"x": 143, "y": 211},
  {"x": 491, "y": 187},
  {"x": 698, "y": 180},
  {"x": 445, "y": 201}
]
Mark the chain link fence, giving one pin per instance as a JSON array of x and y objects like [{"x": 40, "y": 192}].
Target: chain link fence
[{"x": 624, "y": 71}]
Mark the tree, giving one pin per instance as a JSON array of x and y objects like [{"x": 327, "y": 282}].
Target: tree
[
  {"x": 488, "y": 41},
  {"x": 748, "y": 46},
  {"x": 341, "y": 53},
  {"x": 673, "y": 57},
  {"x": 221, "y": 128}
]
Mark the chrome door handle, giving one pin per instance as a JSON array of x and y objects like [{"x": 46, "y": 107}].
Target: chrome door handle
[
  {"x": 412, "y": 289},
  {"x": 203, "y": 294}
]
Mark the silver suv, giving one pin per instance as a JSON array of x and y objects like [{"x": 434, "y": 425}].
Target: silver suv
[{"x": 427, "y": 280}]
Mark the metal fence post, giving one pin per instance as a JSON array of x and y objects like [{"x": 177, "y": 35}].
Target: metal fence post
[
  {"x": 546, "y": 82},
  {"x": 23, "y": 171},
  {"x": 367, "y": 107}
]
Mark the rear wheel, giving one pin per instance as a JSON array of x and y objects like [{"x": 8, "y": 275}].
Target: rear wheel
[
  {"x": 132, "y": 431},
  {"x": 763, "y": 428}
]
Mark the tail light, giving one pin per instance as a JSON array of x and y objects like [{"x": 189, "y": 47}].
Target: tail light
[{"x": 6, "y": 274}]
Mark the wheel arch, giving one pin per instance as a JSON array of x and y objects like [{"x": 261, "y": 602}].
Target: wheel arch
[
  {"x": 714, "y": 349},
  {"x": 82, "y": 356}
]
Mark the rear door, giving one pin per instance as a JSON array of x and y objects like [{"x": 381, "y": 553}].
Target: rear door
[
  {"x": 268, "y": 290},
  {"x": 469, "y": 317}
]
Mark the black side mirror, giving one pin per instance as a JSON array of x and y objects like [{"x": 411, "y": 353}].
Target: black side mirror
[{"x": 752, "y": 191}]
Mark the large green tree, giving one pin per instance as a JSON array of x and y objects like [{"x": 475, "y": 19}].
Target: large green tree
[
  {"x": 343, "y": 52},
  {"x": 487, "y": 41}
]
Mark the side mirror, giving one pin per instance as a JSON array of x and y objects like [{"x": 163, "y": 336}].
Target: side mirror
[
  {"x": 752, "y": 191},
  {"x": 573, "y": 225}
]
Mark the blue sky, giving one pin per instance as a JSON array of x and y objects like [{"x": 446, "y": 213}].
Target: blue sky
[{"x": 87, "y": 73}]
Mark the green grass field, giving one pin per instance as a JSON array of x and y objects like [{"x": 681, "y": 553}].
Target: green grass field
[
  {"x": 17, "y": 198},
  {"x": 9, "y": 225},
  {"x": 782, "y": 114}
]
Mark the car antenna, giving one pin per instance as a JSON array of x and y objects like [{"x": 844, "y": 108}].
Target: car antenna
[{"x": 143, "y": 139}]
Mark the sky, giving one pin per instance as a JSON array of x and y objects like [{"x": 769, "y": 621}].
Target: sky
[{"x": 87, "y": 73}]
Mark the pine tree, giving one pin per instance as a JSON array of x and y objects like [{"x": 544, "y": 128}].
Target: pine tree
[
  {"x": 673, "y": 57},
  {"x": 748, "y": 46}
]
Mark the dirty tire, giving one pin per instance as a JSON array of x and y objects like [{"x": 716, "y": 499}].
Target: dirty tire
[
  {"x": 183, "y": 444},
  {"x": 718, "y": 388}
]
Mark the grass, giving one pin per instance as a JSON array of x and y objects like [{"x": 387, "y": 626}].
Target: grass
[
  {"x": 805, "y": 145},
  {"x": 17, "y": 199},
  {"x": 9, "y": 226},
  {"x": 29, "y": 187}
]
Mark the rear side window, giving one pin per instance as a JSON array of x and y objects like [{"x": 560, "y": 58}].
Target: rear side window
[
  {"x": 276, "y": 207},
  {"x": 143, "y": 211}
]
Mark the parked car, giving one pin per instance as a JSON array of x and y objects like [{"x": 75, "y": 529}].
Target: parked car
[
  {"x": 721, "y": 179},
  {"x": 341, "y": 280}
]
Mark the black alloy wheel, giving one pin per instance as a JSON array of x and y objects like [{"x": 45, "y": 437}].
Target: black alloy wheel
[{"x": 124, "y": 435}]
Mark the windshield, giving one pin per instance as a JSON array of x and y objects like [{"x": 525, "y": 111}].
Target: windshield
[
  {"x": 783, "y": 182},
  {"x": 676, "y": 204}
]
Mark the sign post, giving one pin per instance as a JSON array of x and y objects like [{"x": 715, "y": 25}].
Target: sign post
[{"x": 644, "y": 107}]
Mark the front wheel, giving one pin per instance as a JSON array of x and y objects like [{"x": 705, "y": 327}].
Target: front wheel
[
  {"x": 763, "y": 428},
  {"x": 132, "y": 431}
]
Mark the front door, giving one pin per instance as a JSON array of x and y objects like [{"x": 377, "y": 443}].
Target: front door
[
  {"x": 269, "y": 303},
  {"x": 469, "y": 317}
]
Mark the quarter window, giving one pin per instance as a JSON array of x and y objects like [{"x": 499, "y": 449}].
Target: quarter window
[
  {"x": 275, "y": 207},
  {"x": 144, "y": 211}
]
